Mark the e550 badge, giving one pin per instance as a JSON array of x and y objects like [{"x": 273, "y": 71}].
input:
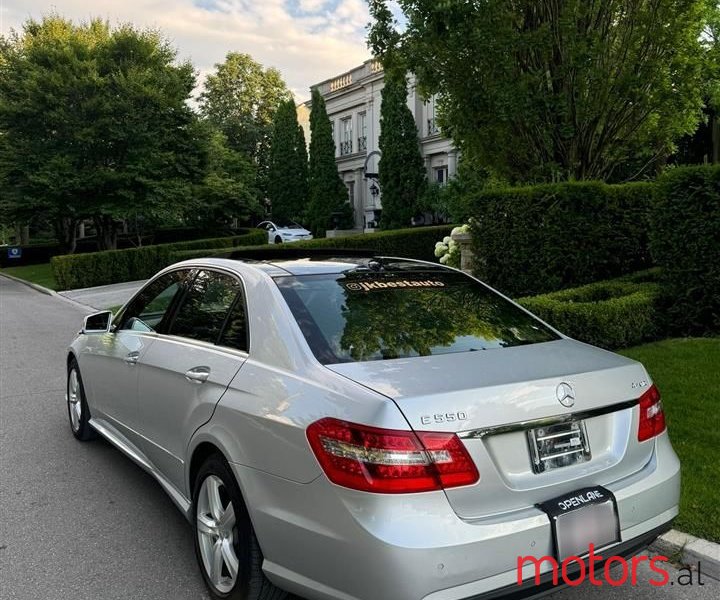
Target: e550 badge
[{"x": 450, "y": 417}]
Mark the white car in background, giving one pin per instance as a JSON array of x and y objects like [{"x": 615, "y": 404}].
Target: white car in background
[{"x": 280, "y": 232}]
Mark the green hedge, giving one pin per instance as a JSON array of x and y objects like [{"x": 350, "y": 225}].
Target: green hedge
[
  {"x": 685, "y": 242},
  {"x": 115, "y": 266},
  {"x": 418, "y": 243},
  {"x": 543, "y": 238},
  {"x": 610, "y": 314}
]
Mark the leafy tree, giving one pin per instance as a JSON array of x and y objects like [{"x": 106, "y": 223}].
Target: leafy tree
[
  {"x": 539, "y": 89},
  {"x": 94, "y": 124},
  {"x": 328, "y": 194},
  {"x": 288, "y": 166},
  {"x": 402, "y": 173},
  {"x": 227, "y": 193},
  {"x": 240, "y": 99}
]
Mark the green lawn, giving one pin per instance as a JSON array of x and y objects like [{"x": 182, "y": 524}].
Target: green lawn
[
  {"x": 40, "y": 274},
  {"x": 687, "y": 373}
]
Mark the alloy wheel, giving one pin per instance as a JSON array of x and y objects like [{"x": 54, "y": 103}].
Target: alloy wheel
[
  {"x": 74, "y": 400},
  {"x": 216, "y": 531}
]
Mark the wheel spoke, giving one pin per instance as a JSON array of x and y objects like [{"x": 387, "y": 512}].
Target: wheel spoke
[
  {"x": 73, "y": 384},
  {"x": 231, "y": 560},
  {"x": 76, "y": 409},
  {"x": 216, "y": 563},
  {"x": 227, "y": 520},
  {"x": 214, "y": 502},
  {"x": 206, "y": 526}
]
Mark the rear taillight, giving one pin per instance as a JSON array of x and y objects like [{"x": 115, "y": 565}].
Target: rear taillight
[
  {"x": 652, "y": 417},
  {"x": 390, "y": 461}
]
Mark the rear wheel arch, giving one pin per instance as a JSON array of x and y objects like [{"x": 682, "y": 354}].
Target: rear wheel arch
[{"x": 201, "y": 453}]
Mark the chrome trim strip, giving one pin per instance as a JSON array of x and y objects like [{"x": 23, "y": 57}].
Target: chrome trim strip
[
  {"x": 480, "y": 433},
  {"x": 126, "y": 447}
]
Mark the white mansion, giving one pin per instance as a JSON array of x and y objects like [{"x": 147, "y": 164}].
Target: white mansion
[{"x": 353, "y": 105}]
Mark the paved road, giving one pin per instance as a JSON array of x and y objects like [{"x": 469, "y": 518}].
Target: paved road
[
  {"x": 105, "y": 296},
  {"x": 80, "y": 521}
]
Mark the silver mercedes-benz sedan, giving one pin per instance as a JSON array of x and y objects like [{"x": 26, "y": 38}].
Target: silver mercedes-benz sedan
[{"x": 373, "y": 428}]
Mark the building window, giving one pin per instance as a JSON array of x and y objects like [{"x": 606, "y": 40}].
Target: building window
[
  {"x": 441, "y": 175},
  {"x": 362, "y": 132},
  {"x": 432, "y": 127},
  {"x": 332, "y": 132},
  {"x": 346, "y": 142}
]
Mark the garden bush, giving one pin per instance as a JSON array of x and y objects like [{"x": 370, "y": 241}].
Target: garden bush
[
  {"x": 115, "y": 266},
  {"x": 544, "y": 238},
  {"x": 685, "y": 242},
  {"x": 611, "y": 314},
  {"x": 418, "y": 243}
]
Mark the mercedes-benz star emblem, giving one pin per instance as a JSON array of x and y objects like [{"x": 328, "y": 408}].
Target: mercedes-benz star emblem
[{"x": 565, "y": 394}]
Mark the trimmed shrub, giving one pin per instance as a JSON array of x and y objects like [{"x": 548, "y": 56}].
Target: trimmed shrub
[
  {"x": 548, "y": 237},
  {"x": 115, "y": 266},
  {"x": 418, "y": 243},
  {"x": 685, "y": 243},
  {"x": 610, "y": 314}
]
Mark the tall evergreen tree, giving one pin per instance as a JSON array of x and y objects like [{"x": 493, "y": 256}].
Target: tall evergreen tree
[
  {"x": 328, "y": 194},
  {"x": 288, "y": 169},
  {"x": 402, "y": 173}
]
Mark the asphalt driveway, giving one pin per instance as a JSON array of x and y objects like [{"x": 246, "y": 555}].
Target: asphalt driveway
[
  {"x": 81, "y": 521},
  {"x": 104, "y": 296}
]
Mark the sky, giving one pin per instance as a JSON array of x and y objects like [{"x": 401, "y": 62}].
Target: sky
[{"x": 307, "y": 40}]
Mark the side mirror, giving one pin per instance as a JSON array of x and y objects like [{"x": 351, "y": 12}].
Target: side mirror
[{"x": 97, "y": 322}]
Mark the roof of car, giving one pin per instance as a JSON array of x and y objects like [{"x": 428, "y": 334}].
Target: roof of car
[{"x": 325, "y": 263}]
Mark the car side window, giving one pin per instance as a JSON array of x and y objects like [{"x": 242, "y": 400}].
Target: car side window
[
  {"x": 149, "y": 310},
  {"x": 235, "y": 332},
  {"x": 206, "y": 306}
]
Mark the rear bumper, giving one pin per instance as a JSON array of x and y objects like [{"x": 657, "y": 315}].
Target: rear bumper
[
  {"x": 328, "y": 543},
  {"x": 529, "y": 588}
]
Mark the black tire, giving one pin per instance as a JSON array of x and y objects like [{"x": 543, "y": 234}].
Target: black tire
[
  {"x": 81, "y": 428},
  {"x": 278, "y": 239},
  {"x": 251, "y": 583}
]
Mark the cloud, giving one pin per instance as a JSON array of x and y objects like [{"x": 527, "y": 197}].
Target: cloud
[{"x": 307, "y": 40}]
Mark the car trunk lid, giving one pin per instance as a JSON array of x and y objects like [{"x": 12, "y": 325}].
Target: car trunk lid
[{"x": 493, "y": 398}]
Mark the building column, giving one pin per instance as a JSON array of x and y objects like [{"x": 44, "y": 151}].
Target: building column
[
  {"x": 428, "y": 167},
  {"x": 359, "y": 207},
  {"x": 452, "y": 163}
]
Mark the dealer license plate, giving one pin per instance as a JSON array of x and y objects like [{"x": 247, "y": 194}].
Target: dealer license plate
[{"x": 586, "y": 516}]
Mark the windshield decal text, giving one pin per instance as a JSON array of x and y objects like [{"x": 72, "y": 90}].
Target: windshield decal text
[{"x": 368, "y": 286}]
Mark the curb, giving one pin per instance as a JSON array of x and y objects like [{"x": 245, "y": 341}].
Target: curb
[
  {"x": 35, "y": 286},
  {"x": 691, "y": 550},
  {"x": 49, "y": 292}
]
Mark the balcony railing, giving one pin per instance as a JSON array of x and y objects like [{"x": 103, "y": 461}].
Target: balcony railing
[
  {"x": 340, "y": 82},
  {"x": 346, "y": 147},
  {"x": 362, "y": 144},
  {"x": 432, "y": 126}
]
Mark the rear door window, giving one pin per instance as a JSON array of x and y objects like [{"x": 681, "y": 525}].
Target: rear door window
[{"x": 209, "y": 302}]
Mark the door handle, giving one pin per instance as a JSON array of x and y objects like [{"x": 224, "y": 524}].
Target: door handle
[
  {"x": 198, "y": 374},
  {"x": 132, "y": 357}
]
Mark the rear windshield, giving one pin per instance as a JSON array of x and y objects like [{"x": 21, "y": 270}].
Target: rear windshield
[{"x": 383, "y": 315}]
